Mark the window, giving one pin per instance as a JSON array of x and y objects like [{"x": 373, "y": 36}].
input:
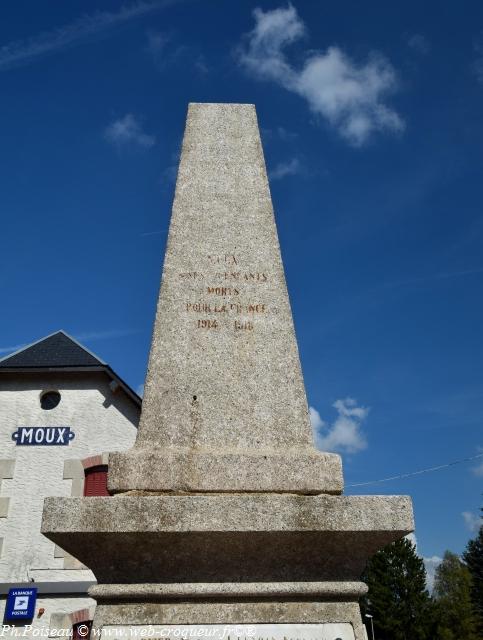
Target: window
[
  {"x": 49, "y": 400},
  {"x": 95, "y": 483}
]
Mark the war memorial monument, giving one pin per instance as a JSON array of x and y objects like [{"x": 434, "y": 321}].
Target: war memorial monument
[{"x": 225, "y": 521}]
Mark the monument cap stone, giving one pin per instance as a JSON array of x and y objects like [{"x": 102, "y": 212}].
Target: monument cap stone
[{"x": 224, "y": 405}]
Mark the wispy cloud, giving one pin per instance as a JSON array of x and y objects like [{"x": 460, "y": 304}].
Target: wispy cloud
[
  {"x": 14, "y": 348},
  {"x": 89, "y": 335},
  {"x": 286, "y": 135},
  {"x": 472, "y": 521},
  {"x": 348, "y": 95},
  {"x": 432, "y": 277},
  {"x": 278, "y": 133},
  {"x": 128, "y": 131},
  {"x": 156, "y": 43},
  {"x": 478, "y": 471},
  {"x": 283, "y": 169},
  {"x": 105, "y": 335},
  {"x": 164, "y": 51},
  {"x": 153, "y": 233},
  {"x": 22, "y": 52},
  {"x": 419, "y": 43},
  {"x": 344, "y": 434}
]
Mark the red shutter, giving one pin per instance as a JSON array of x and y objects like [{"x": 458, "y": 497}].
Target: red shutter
[{"x": 95, "y": 483}]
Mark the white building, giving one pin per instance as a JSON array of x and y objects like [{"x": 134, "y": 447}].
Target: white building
[{"x": 61, "y": 410}]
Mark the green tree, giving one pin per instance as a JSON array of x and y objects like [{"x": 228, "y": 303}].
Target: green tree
[
  {"x": 473, "y": 556},
  {"x": 397, "y": 597},
  {"x": 452, "y": 595}
]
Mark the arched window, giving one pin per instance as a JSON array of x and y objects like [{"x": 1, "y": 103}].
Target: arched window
[{"x": 95, "y": 483}]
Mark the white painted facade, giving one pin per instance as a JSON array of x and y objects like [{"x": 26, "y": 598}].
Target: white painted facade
[{"x": 103, "y": 418}]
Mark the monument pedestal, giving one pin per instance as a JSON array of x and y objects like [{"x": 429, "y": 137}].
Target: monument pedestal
[
  {"x": 229, "y": 558},
  {"x": 224, "y": 514}
]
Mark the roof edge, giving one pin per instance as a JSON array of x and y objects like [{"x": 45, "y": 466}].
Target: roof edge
[{"x": 67, "y": 335}]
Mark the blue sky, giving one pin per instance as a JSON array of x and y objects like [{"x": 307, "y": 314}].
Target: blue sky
[{"x": 372, "y": 129}]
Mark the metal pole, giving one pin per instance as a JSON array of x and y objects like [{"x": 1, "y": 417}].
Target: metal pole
[{"x": 371, "y": 618}]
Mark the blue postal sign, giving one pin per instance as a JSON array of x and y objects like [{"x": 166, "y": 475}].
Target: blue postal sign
[
  {"x": 43, "y": 436},
  {"x": 20, "y": 604}
]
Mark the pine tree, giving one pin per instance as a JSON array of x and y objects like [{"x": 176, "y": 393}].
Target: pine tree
[
  {"x": 397, "y": 597},
  {"x": 452, "y": 595},
  {"x": 473, "y": 556}
]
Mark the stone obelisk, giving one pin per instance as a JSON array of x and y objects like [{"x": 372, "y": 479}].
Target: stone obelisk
[{"x": 224, "y": 513}]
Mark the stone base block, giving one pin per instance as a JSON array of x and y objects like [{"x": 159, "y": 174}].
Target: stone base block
[
  {"x": 299, "y": 471},
  {"x": 227, "y": 538},
  {"x": 116, "y": 614}
]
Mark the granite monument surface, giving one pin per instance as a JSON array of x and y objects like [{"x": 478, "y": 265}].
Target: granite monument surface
[{"x": 223, "y": 513}]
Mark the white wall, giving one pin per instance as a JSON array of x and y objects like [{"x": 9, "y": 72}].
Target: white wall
[{"x": 102, "y": 421}]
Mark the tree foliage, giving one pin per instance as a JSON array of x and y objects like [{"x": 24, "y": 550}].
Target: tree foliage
[
  {"x": 397, "y": 597},
  {"x": 452, "y": 596},
  {"x": 473, "y": 556}
]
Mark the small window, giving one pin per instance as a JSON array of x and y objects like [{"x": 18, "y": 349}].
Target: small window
[
  {"x": 49, "y": 400},
  {"x": 95, "y": 483}
]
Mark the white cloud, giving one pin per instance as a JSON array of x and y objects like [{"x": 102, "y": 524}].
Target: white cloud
[
  {"x": 140, "y": 390},
  {"x": 128, "y": 131},
  {"x": 473, "y": 522},
  {"x": 283, "y": 169},
  {"x": 419, "y": 43},
  {"x": 21, "y": 52},
  {"x": 105, "y": 335},
  {"x": 431, "y": 564},
  {"x": 412, "y": 538},
  {"x": 478, "y": 470},
  {"x": 348, "y": 95},
  {"x": 15, "y": 347},
  {"x": 315, "y": 419},
  {"x": 345, "y": 433}
]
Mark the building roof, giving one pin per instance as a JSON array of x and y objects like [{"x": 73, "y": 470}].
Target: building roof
[
  {"x": 60, "y": 352},
  {"x": 56, "y": 350}
]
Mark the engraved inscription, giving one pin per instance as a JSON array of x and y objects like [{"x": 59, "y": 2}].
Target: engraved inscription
[
  {"x": 207, "y": 324},
  {"x": 240, "y": 276},
  {"x": 230, "y": 291},
  {"x": 256, "y": 308},
  {"x": 223, "y": 291},
  {"x": 243, "y": 326},
  {"x": 198, "y": 307},
  {"x": 227, "y": 258}
]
